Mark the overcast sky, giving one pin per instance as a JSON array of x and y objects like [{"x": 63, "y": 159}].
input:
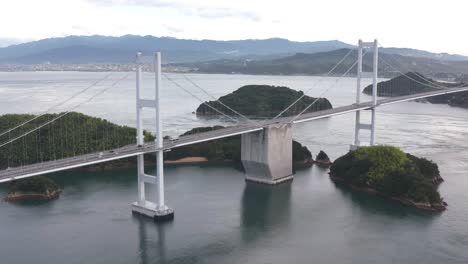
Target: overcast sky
[{"x": 432, "y": 25}]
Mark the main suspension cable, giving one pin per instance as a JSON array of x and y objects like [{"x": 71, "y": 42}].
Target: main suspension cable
[
  {"x": 218, "y": 100},
  {"x": 414, "y": 80},
  {"x": 56, "y": 105},
  {"x": 65, "y": 113},
  {"x": 326, "y": 90},
  {"x": 434, "y": 85},
  {"x": 196, "y": 97},
  {"x": 313, "y": 86}
]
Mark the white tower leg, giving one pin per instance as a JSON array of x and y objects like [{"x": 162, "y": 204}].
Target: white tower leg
[
  {"x": 140, "y": 158},
  {"x": 159, "y": 211},
  {"x": 358, "y": 125}
]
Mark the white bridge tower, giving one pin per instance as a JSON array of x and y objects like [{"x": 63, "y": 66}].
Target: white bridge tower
[
  {"x": 159, "y": 211},
  {"x": 360, "y": 74}
]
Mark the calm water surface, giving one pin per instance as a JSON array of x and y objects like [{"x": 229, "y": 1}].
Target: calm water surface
[{"x": 220, "y": 218}]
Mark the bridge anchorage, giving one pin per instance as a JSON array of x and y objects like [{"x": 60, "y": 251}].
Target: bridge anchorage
[{"x": 157, "y": 210}]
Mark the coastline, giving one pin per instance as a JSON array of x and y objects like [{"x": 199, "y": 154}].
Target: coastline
[
  {"x": 303, "y": 164},
  {"x": 124, "y": 164},
  {"x": 323, "y": 163},
  {"x": 32, "y": 196},
  {"x": 449, "y": 103},
  {"x": 130, "y": 163},
  {"x": 187, "y": 160},
  {"x": 404, "y": 201}
]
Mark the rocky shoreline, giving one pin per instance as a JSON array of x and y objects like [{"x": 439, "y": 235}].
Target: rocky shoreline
[
  {"x": 125, "y": 164},
  {"x": 298, "y": 165},
  {"x": 435, "y": 207},
  {"x": 321, "y": 160},
  {"x": 323, "y": 163},
  {"x": 187, "y": 160},
  {"x": 131, "y": 163},
  {"x": 32, "y": 196}
]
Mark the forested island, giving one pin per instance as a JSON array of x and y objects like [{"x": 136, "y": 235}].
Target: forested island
[
  {"x": 322, "y": 159},
  {"x": 389, "y": 172},
  {"x": 73, "y": 134},
  {"x": 413, "y": 82},
  {"x": 263, "y": 101},
  {"x": 34, "y": 188}
]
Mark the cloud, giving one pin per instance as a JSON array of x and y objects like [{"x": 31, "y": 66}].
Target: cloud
[
  {"x": 4, "y": 42},
  {"x": 157, "y": 3},
  {"x": 79, "y": 30},
  {"x": 173, "y": 29},
  {"x": 187, "y": 8},
  {"x": 226, "y": 12}
]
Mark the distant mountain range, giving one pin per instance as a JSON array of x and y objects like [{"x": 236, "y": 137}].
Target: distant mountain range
[
  {"x": 424, "y": 54},
  {"x": 321, "y": 62},
  {"x": 102, "y": 49}
]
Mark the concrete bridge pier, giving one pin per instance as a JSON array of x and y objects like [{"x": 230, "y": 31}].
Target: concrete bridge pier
[{"x": 267, "y": 154}]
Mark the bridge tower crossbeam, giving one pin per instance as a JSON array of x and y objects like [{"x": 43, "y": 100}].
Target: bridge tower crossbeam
[
  {"x": 358, "y": 124},
  {"x": 159, "y": 210}
]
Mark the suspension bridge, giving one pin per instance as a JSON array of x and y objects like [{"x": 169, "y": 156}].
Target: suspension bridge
[{"x": 266, "y": 144}]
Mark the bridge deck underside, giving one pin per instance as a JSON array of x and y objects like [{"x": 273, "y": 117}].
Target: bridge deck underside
[{"x": 133, "y": 150}]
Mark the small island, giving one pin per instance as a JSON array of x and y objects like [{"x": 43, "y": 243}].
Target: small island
[
  {"x": 389, "y": 172},
  {"x": 263, "y": 101},
  {"x": 33, "y": 189},
  {"x": 414, "y": 82},
  {"x": 225, "y": 150},
  {"x": 323, "y": 160}
]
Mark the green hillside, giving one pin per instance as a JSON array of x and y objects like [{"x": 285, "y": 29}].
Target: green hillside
[
  {"x": 73, "y": 134},
  {"x": 263, "y": 101}
]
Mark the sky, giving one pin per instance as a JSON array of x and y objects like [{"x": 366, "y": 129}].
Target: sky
[{"x": 432, "y": 25}]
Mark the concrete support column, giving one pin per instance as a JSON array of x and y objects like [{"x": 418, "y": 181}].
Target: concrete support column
[{"x": 267, "y": 154}]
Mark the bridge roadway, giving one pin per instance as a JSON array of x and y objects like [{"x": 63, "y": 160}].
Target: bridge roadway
[{"x": 134, "y": 150}]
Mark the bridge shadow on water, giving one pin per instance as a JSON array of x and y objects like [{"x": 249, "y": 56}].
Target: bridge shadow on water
[
  {"x": 263, "y": 209},
  {"x": 147, "y": 245}
]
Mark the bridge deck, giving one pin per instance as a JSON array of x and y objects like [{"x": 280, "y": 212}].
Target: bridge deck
[{"x": 133, "y": 150}]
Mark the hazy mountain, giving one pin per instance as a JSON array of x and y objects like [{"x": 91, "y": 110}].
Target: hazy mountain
[
  {"x": 424, "y": 54},
  {"x": 5, "y": 42},
  {"x": 102, "y": 49},
  {"x": 74, "y": 54},
  {"x": 122, "y": 49},
  {"x": 322, "y": 62}
]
